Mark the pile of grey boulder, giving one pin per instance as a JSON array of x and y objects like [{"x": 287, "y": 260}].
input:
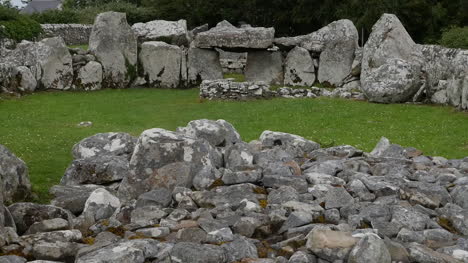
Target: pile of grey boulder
[
  {"x": 200, "y": 194},
  {"x": 390, "y": 68}
]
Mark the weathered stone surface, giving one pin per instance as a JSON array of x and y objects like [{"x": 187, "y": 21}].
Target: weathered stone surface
[
  {"x": 56, "y": 64},
  {"x": 112, "y": 143},
  {"x": 14, "y": 179},
  {"x": 159, "y": 197},
  {"x": 265, "y": 66},
  {"x": 48, "y": 225},
  {"x": 340, "y": 41},
  {"x": 128, "y": 251},
  {"x": 203, "y": 64},
  {"x": 330, "y": 245},
  {"x": 225, "y": 35},
  {"x": 218, "y": 133},
  {"x": 100, "y": 205},
  {"x": 72, "y": 198},
  {"x": 12, "y": 259},
  {"x": 26, "y": 214},
  {"x": 162, "y": 64},
  {"x": 391, "y": 63},
  {"x": 296, "y": 145},
  {"x": 185, "y": 252},
  {"x": 239, "y": 249},
  {"x": 420, "y": 253},
  {"x": 370, "y": 249},
  {"x": 226, "y": 89},
  {"x": 171, "y": 32},
  {"x": 395, "y": 81},
  {"x": 90, "y": 76},
  {"x": 114, "y": 44},
  {"x": 16, "y": 79},
  {"x": 299, "y": 68},
  {"x": 96, "y": 170}
]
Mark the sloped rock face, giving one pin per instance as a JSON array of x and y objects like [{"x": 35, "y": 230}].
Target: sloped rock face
[
  {"x": 203, "y": 64},
  {"x": 162, "y": 64},
  {"x": 390, "y": 44},
  {"x": 14, "y": 180},
  {"x": 265, "y": 66},
  {"x": 299, "y": 68},
  {"x": 49, "y": 63},
  {"x": 340, "y": 41},
  {"x": 90, "y": 76},
  {"x": 114, "y": 44},
  {"x": 171, "y": 32},
  {"x": 225, "y": 35},
  {"x": 446, "y": 69}
]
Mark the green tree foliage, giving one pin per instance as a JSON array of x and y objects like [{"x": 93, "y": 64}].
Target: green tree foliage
[
  {"x": 17, "y": 26},
  {"x": 455, "y": 37}
]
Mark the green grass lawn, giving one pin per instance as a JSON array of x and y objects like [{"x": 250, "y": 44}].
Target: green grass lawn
[{"x": 42, "y": 128}]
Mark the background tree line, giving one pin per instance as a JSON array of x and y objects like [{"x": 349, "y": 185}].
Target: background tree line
[{"x": 426, "y": 20}]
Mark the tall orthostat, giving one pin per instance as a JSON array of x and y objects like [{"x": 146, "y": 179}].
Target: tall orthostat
[{"x": 114, "y": 44}]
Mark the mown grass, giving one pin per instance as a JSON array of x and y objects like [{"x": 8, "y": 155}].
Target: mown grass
[
  {"x": 42, "y": 128},
  {"x": 84, "y": 47}
]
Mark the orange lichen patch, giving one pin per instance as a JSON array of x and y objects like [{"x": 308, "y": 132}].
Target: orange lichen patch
[
  {"x": 263, "y": 203},
  {"x": 320, "y": 220},
  {"x": 260, "y": 190},
  {"x": 263, "y": 249},
  {"x": 295, "y": 167},
  {"x": 105, "y": 222},
  {"x": 139, "y": 236},
  {"x": 447, "y": 225},
  {"x": 216, "y": 183},
  {"x": 89, "y": 240},
  {"x": 118, "y": 231},
  {"x": 17, "y": 252}
]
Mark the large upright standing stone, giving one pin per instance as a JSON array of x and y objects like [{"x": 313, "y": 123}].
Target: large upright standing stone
[
  {"x": 388, "y": 43},
  {"x": 162, "y": 64},
  {"x": 340, "y": 41},
  {"x": 14, "y": 180},
  {"x": 203, "y": 64},
  {"x": 56, "y": 64},
  {"x": 113, "y": 43},
  {"x": 299, "y": 68},
  {"x": 264, "y": 66}
]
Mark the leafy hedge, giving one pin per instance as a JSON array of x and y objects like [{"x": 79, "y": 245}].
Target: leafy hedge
[
  {"x": 455, "y": 37},
  {"x": 87, "y": 14},
  {"x": 18, "y": 27}
]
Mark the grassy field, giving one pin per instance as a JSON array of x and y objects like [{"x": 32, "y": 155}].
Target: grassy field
[{"x": 42, "y": 128}]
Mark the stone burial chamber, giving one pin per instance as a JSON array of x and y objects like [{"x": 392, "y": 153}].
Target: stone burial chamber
[
  {"x": 201, "y": 194},
  {"x": 390, "y": 68}
]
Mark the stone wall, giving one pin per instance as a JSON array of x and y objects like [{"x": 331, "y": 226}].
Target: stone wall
[
  {"x": 72, "y": 34},
  {"x": 200, "y": 194},
  {"x": 230, "y": 90}
]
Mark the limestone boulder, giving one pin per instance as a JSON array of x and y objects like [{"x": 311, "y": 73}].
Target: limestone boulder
[
  {"x": 114, "y": 44},
  {"x": 330, "y": 245},
  {"x": 56, "y": 64},
  {"x": 26, "y": 214},
  {"x": 390, "y": 49},
  {"x": 171, "y": 32},
  {"x": 90, "y": 76},
  {"x": 16, "y": 79},
  {"x": 112, "y": 143},
  {"x": 265, "y": 66},
  {"x": 299, "y": 68},
  {"x": 370, "y": 249},
  {"x": 340, "y": 41},
  {"x": 203, "y": 64},
  {"x": 225, "y": 35},
  {"x": 14, "y": 179},
  {"x": 101, "y": 170},
  {"x": 100, "y": 205},
  {"x": 218, "y": 133},
  {"x": 162, "y": 64},
  {"x": 395, "y": 81}
]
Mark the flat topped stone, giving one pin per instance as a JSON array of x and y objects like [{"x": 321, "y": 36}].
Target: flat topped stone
[
  {"x": 172, "y": 32},
  {"x": 225, "y": 35}
]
